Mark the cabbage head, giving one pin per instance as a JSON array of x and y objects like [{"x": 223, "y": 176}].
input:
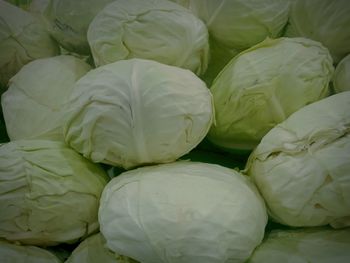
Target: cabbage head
[
  {"x": 13, "y": 253},
  {"x": 262, "y": 86},
  {"x": 302, "y": 166},
  {"x": 240, "y": 24},
  {"x": 136, "y": 112},
  {"x": 69, "y": 21},
  {"x": 94, "y": 250},
  {"x": 182, "y": 212},
  {"x": 154, "y": 29},
  {"x": 37, "y": 95},
  {"x": 23, "y": 38},
  {"x": 324, "y": 21},
  {"x": 49, "y": 194},
  {"x": 316, "y": 245},
  {"x": 341, "y": 77}
]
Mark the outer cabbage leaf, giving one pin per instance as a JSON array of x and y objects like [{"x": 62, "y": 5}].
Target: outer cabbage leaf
[
  {"x": 315, "y": 245},
  {"x": 153, "y": 29},
  {"x": 341, "y": 77},
  {"x": 302, "y": 166},
  {"x": 11, "y": 253},
  {"x": 94, "y": 250},
  {"x": 137, "y": 112},
  {"x": 37, "y": 96},
  {"x": 182, "y": 212},
  {"x": 240, "y": 24},
  {"x": 263, "y": 85},
  {"x": 324, "y": 21},
  {"x": 23, "y": 38},
  {"x": 49, "y": 194}
]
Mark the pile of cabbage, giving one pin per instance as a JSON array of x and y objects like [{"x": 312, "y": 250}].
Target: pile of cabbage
[{"x": 175, "y": 131}]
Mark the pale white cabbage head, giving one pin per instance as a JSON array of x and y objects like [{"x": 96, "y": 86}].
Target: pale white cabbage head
[
  {"x": 23, "y": 38},
  {"x": 94, "y": 250},
  {"x": 69, "y": 21},
  {"x": 136, "y": 112},
  {"x": 302, "y": 166},
  {"x": 182, "y": 212},
  {"x": 263, "y": 85},
  {"x": 49, "y": 194},
  {"x": 12, "y": 253},
  {"x": 316, "y": 245},
  {"x": 341, "y": 77},
  {"x": 150, "y": 29},
  {"x": 240, "y": 24},
  {"x": 324, "y": 21},
  {"x": 33, "y": 106}
]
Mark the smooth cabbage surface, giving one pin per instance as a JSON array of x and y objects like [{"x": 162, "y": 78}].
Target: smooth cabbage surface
[
  {"x": 313, "y": 245},
  {"x": 262, "y": 86},
  {"x": 153, "y": 29},
  {"x": 49, "y": 194},
  {"x": 136, "y": 112},
  {"x": 33, "y": 106},
  {"x": 341, "y": 77},
  {"x": 302, "y": 167},
  {"x": 94, "y": 250},
  {"x": 23, "y": 38},
  {"x": 324, "y": 21},
  {"x": 241, "y": 24},
  {"x": 182, "y": 212}
]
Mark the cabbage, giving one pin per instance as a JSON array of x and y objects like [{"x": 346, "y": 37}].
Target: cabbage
[
  {"x": 302, "y": 166},
  {"x": 240, "y": 24},
  {"x": 136, "y": 112},
  {"x": 320, "y": 245},
  {"x": 341, "y": 77},
  {"x": 49, "y": 194},
  {"x": 33, "y": 105},
  {"x": 263, "y": 85},
  {"x": 154, "y": 29},
  {"x": 23, "y": 38},
  {"x": 93, "y": 250},
  {"x": 69, "y": 21},
  {"x": 182, "y": 212},
  {"x": 324, "y": 21},
  {"x": 11, "y": 253}
]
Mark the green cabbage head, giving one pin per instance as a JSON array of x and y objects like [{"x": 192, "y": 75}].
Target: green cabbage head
[
  {"x": 14, "y": 253},
  {"x": 37, "y": 95},
  {"x": 154, "y": 29},
  {"x": 182, "y": 212},
  {"x": 94, "y": 250},
  {"x": 23, "y": 38},
  {"x": 325, "y": 21},
  {"x": 262, "y": 86},
  {"x": 316, "y": 245},
  {"x": 49, "y": 194},
  {"x": 341, "y": 77},
  {"x": 302, "y": 166},
  {"x": 135, "y": 112}
]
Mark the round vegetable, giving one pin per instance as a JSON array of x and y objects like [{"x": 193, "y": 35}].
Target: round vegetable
[
  {"x": 154, "y": 29},
  {"x": 136, "y": 112},
  {"x": 23, "y": 38},
  {"x": 37, "y": 95},
  {"x": 240, "y": 24},
  {"x": 49, "y": 194},
  {"x": 11, "y": 253},
  {"x": 341, "y": 77},
  {"x": 324, "y": 21},
  {"x": 94, "y": 250},
  {"x": 321, "y": 245},
  {"x": 182, "y": 212},
  {"x": 263, "y": 85},
  {"x": 302, "y": 166}
]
